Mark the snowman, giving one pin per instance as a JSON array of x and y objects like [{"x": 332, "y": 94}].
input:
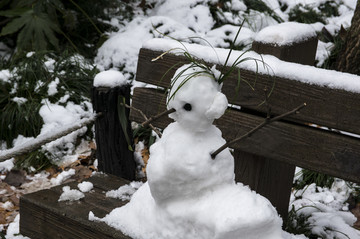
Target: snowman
[{"x": 189, "y": 195}]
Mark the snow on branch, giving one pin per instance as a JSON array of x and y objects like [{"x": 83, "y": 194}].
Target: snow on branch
[{"x": 44, "y": 139}]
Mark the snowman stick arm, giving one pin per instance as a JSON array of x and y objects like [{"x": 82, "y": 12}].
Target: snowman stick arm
[
  {"x": 153, "y": 118},
  {"x": 145, "y": 117},
  {"x": 253, "y": 130}
]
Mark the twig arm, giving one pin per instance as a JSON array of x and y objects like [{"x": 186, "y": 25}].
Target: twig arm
[
  {"x": 151, "y": 119},
  {"x": 145, "y": 117},
  {"x": 248, "y": 134}
]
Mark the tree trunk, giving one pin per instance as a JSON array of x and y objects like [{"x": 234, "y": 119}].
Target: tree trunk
[{"x": 349, "y": 60}]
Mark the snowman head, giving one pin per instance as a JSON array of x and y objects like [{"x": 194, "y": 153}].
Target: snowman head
[{"x": 196, "y": 97}]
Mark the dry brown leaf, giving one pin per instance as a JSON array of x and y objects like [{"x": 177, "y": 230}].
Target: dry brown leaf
[
  {"x": 145, "y": 157},
  {"x": 81, "y": 172},
  {"x": 356, "y": 212}
]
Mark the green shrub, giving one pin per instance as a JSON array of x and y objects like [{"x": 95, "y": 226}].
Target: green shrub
[
  {"x": 309, "y": 14},
  {"x": 22, "y": 95},
  {"x": 37, "y": 25},
  {"x": 308, "y": 177},
  {"x": 305, "y": 14}
]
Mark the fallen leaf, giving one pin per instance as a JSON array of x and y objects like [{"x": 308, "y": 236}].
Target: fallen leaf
[
  {"x": 356, "y": 212},
  {"x": 2, "y": 216},
  {"x": 81, "y": 172}
]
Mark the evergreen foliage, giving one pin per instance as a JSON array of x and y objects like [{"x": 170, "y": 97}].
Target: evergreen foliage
[
  {"x": 22, "y": 95},
  {"x": 36, "y": 25}
]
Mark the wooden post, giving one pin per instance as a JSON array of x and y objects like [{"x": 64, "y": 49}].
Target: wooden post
[
  {"x": 112, "y": 151},
  {"x": 301, "y": 52}
]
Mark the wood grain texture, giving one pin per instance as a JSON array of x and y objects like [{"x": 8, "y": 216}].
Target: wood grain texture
[
  {"x": 43, "y": 217},
  {"x": 112, "y": 152},
  {"x": 268, "y": 177},
  {"x": 301, "y": 52},
  {"x": 307, "y": 147},
  {"x": 337, "y": 109}
]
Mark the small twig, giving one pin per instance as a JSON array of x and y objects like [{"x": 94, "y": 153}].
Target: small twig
[
  {"x": 146, "y": 119},
  {"x": 265, "y": 122},
  {"x": 153, "y": 118}
]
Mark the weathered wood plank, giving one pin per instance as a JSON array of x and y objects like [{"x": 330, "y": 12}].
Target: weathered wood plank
[
  {"x": 299, "y": 52},
  {"x": 268, "y": 177},
  {"x": 43, "y": 217},
  {"x": 307, "y": 147},
  {"x": 333, "y": 108},
  {"x": 112, "y": 148}
]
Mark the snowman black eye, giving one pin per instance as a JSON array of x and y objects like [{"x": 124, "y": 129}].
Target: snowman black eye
[{"x": 187, "y": 107}]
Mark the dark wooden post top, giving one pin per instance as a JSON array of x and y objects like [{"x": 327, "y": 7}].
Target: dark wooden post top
[{"x": 298, "y": 47}]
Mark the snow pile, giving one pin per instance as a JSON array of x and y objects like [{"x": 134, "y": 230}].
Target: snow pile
[
  {"x": 13, "y": 230},
  {"x": 62, "y": 177},
  {"x": 285, "y": 33},
  {"x": 326, "y": 210},
  {"x": 7, "y": 165},
  {"x": 109, "y": 78},
  {"x": 70, "y": 194},
  {"x": 188, "y": 194},
  {"x": 57, "y": 116},
  {"x": 124, "y": 192},
  {"x": 85, "y": 186}
]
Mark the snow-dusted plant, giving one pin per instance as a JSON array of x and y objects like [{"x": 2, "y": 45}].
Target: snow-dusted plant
[
  {"x": 211, "y": 71},
  {"x": 32, "y": 87}
]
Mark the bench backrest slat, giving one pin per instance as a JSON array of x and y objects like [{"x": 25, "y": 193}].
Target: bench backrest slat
[
  {"x": 333, "y": 108},
  {"x": 307, "y": 147}
]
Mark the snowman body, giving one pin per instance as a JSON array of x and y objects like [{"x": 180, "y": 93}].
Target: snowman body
[
  {"x": 181, "y": 164},
  {"x": 189, "y": 195},
  {"x": 174, "y": 173}
]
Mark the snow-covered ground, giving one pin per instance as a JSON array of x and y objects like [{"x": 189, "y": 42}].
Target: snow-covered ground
[{"x": 191, "y": 21}]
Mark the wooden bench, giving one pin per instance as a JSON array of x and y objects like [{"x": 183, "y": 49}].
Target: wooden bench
[{"x": 266, "y": 161}]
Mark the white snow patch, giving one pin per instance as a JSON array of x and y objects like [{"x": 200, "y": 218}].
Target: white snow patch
[
  {"x": 19, "y": 100},
  {"x": 285, "y": 33},
  {"x": 5, "y": 75},
  {"x": 124, "y": 192},
  {"x": 13, "y": 230},
  {"x": 85, "y": 186},
  {"x": 7, "y": 165},
  {"x": 327, "y": 209},
  {"x": 30, "y": 54},
  {"x": 109, "y": 78},
  {"x": 52, "y": 87},
  {"x": 70, "y": 194},
  {"x": 62, "y": 177},
  {"x": 7, "y": 205}
]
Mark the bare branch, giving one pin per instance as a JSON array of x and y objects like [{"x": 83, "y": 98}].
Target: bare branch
[
  {"x": 44, "y": 139},
  {"x": 146, "y": 119},
  {"x": 147, "y": 122},
  {"x": 265, "y": 122}
]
